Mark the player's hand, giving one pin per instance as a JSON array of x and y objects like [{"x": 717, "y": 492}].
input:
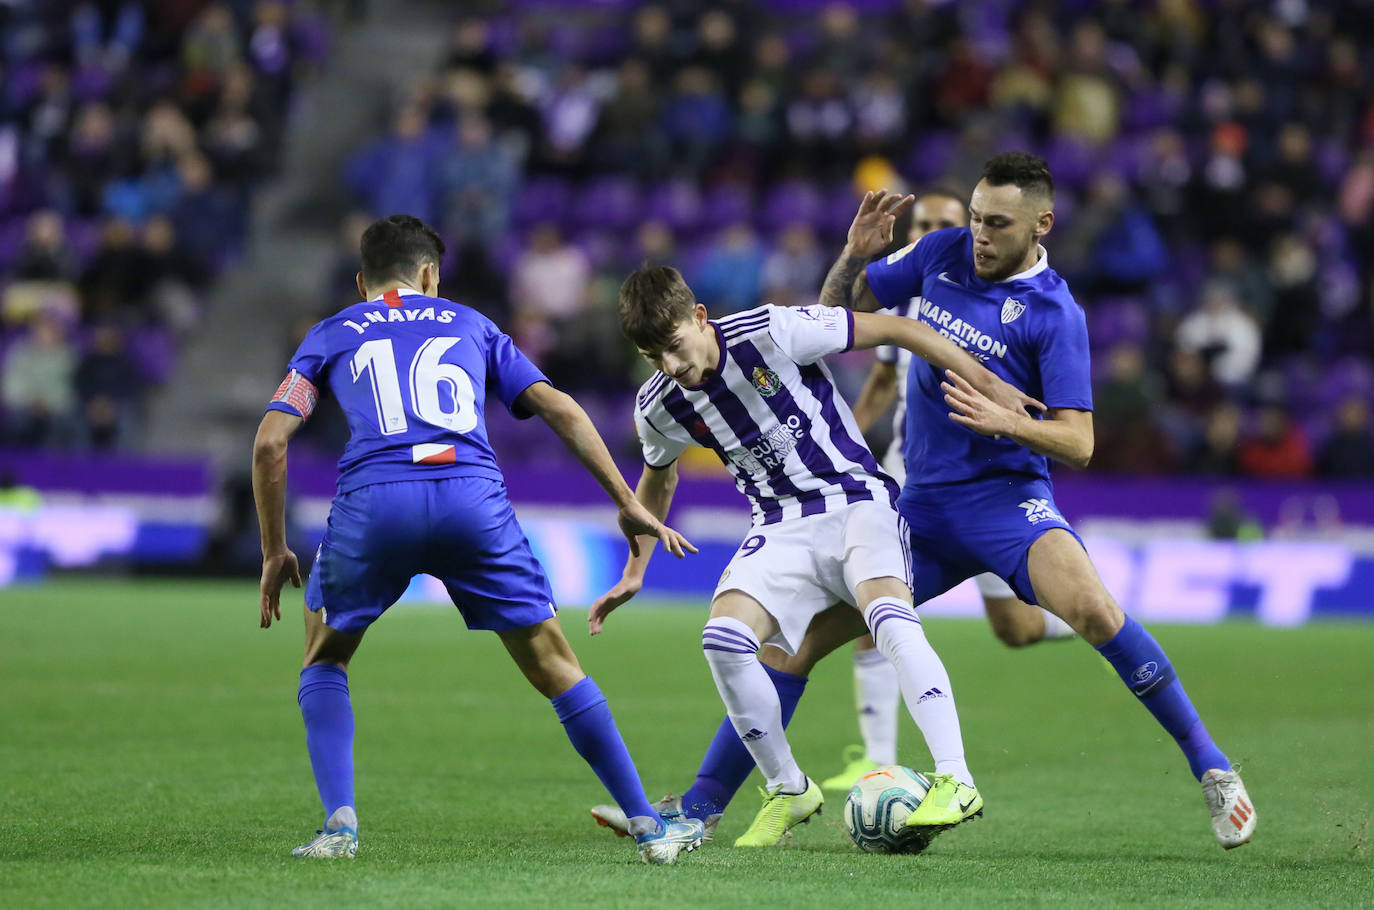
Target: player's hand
[
  {"x": 871, "y": 230},
  {"x": 1001, "y": 392},
  {"x": 635, "y": 520},
  {"x": 975, "y": 410},
  {"x": 277, "y": 569},
  {"x": 625, "y": 589}
]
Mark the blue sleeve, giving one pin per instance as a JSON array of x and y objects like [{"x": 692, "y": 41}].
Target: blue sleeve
[
  {"x": 898, "y": 277},
  {"x": 509, "y": 372},
  {"x": 1065, "y": 367},
  {"x": 305, "y": 375}
]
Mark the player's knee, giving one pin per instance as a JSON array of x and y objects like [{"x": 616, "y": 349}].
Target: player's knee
[
  {"x": 1015, "y": 634},
  {"x": 725, "y": 641},
  {"x": 1095, "y": 617}
]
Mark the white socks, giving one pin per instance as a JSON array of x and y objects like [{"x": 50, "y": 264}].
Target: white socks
[
  {"x": 924, "y": 682},
  {"x": 751, "y": 701},
  {"x": 1056, "y": 628},
  {"x": 876, "y": 694}
]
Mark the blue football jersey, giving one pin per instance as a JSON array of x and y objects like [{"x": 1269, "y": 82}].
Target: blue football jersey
[
  {"x": 1028, "y": 330},
  {"x": 412, "y": 374}
]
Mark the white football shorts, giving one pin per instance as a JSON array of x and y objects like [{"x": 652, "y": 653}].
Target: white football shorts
[
  {"x": 799, "y": 567},
  {"x": 989, "y": 585}
]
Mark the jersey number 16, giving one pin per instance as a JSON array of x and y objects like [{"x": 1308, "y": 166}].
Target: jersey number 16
[{"x": 427, "y": 375}]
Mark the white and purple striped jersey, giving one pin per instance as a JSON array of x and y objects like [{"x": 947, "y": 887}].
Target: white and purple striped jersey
[{"x": 772, "y": 414}]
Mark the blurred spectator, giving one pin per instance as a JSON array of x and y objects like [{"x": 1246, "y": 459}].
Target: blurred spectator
[
  {"x": 793, "y": 270},
  {"x": 696, "y": 119},
  {"x": 1228, "y": 519},
  {"x": 1279, "y": 448},
  {"x": 1297, "y": 303},
  {"x": 1215, "y": 451},
  {"x": 1124, "y": 407},
  {"x": 654, "y": 245},
  {"x": 1224, "y": 334},
  {"x": 627, "y": 139},
  {"x": 479, "y": 179},
  {"x": 207, "y": 216},
  {"x": 548, "y": 285},
  {"x": 341, "y": 287},
  {"x": 396, "y": 173},
  {"x": 1349, "y": 450},
  {"x": 36, "y": 385},
  {"x": 115, "y": 282},
  {"x": 569, "y": 114},
  {"x": 1087, "y": 104},
  {"x": 729, "y": 277},
  {"x": 44, "y": 255},
  {"x": 108, "y": 386}
]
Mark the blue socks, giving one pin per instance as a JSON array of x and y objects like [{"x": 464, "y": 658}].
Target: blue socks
[
  {"x": 585, "y": 715},
  {"x": 1145, "y": 669},
  {"x": 328, "y": 715},
  {"x": 727, "y": 763}
]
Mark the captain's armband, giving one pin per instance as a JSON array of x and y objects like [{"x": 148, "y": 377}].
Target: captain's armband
[{"x": 297, "y": 394}]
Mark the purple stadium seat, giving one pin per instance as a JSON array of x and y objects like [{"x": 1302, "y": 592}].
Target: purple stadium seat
[
  {"x": 608, "y": 203},
  {"x": 599, "y": 245},
  {"x": 931, "y": 157},
  {"x": 841, "y": 202},
  {"x": 1071, "y": 160},
  {"x": 788, "y": 202},
  {"x": 676, "y": 202},
  {"x": 154, "y": 350},
  {"x": 1117, "y": 320},
  {"x": 727, "y": 204},
  {"x": 542, "y": 199}
]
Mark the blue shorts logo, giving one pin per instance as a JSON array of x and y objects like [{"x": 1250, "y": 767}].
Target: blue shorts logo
[
  {"x": 1144, "y": 673},
  {"x": 1038, "y": 510}
]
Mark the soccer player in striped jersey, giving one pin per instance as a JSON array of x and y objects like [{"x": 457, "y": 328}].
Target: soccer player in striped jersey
[
  {"x": 1014, "y": 623},
  {"x": 978, "y": 496},
  {"x": 754, "y": 389},
  {"x": 420, "y": 492}
]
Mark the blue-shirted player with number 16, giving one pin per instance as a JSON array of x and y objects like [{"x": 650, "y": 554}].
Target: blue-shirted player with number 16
[{"x": 420, "y": 492}]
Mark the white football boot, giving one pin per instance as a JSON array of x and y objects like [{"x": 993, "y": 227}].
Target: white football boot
[
  {"x": 670, "y": 807},
  {"x": 339, "y": 839},
  {"x": 1233, "y": 815}
]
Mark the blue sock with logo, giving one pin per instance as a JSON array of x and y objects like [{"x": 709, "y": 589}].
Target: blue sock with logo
[
  {"x": 587, "y": 718},
  {"x": 328, "y": 715},
  {"x": 1145, "y": 669},
  {"x": 727, "y": 763}
]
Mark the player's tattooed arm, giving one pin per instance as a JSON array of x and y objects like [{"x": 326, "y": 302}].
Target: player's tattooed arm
[
  {"x": 1066, "y": 434},
  {"x": 655, "y": 492},
  {"x": 279, "y": 564},
  {"x": 870, "y": 232}
]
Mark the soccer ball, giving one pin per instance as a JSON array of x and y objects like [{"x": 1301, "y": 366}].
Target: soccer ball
[{"x": 876, "y": 810}]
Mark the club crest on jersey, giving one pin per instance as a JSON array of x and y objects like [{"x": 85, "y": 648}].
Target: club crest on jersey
[
  {"x": 767, "y": 382},
  {"x": 1011, "y": 309}
]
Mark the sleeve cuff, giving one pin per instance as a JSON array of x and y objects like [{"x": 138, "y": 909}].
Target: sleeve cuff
[
  {"x": 849, "y": 320},
  {"x": 283, "y": 406},
  {"x": 513, "y": 405},
  {"x": 660, "y": 467}
]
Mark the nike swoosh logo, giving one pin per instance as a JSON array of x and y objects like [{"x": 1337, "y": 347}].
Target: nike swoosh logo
[
  {"x": 963, "y": 806},
  {"x": 944, "y": 276}
]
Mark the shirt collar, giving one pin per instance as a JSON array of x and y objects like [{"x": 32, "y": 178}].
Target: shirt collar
[
  {"x": 404, "y": 292},
  {"x": 1041, "y": 264}
]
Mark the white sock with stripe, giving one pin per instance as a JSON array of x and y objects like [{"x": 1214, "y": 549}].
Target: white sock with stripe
[
  {"x": 751, "y": 700},
  {"x": 924, "y": 682},
  {"x": 876, "y": 694}
]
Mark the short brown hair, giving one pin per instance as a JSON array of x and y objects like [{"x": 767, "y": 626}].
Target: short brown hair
[{"x": 654, "y": 300}]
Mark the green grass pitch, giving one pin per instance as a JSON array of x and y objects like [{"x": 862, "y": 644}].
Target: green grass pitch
[{"x": 152, "y": 756}]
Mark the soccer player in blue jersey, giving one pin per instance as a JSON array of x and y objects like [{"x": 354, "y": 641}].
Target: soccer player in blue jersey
[
  {"x": 1014, "y": 623},
  {"x": 753, "y": 388},
  {"x": 978, "y": 496},
  {"x": 420, "y": 492}
]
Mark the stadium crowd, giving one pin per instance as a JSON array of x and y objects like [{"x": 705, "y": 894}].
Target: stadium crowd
[
  {"x": 1214, "y": 160},
  {"x": 132, "y": 135}
]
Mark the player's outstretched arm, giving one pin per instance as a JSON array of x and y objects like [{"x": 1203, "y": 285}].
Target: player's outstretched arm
[
  {"x": 279, "y": 564},
  {"x": 566, "y": 418},
  {"x": 1066, "y": 434},
  {"x": 655, "y": 494},
  {"x": 846, "y": 284},
  {"x": 877, "y": 395},
  {"x": 873, "y": 329}
]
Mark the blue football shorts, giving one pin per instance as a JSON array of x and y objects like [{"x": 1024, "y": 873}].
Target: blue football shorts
[
  {"x": 962, "y": 530},
  {"x": 461, "y": 530}
]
